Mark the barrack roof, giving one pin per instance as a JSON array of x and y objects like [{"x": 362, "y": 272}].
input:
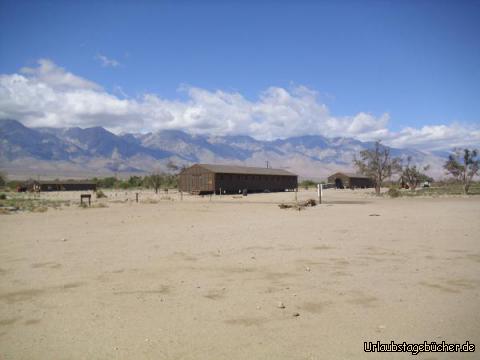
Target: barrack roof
[
  {"x": 231, "y": 169},
  {"x": 351, "y": 175}
]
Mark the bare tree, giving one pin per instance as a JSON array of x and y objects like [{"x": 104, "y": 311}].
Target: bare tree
[
  {"x": 414, "y": 176},
  {"x": 156, "y": 180},
  {"x": 172, "y": 167},
  {"x": 377, "y": 164},
  {"x": 465, "y": 171},
  {"x": 3, "y": 178}
]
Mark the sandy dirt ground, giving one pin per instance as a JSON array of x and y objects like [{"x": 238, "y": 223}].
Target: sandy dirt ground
[{"x": 239, "y": 278}]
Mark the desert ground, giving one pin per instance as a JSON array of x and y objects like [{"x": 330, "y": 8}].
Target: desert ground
[{"x": 236, "y": 277}]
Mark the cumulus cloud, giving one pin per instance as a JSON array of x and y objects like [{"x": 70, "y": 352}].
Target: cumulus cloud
[
  {"x": 106, "y": 62},
  {"x": 48, "y": 95},
  {"x": 437, "y": 137},
  {"x": 49, "y": 74}
]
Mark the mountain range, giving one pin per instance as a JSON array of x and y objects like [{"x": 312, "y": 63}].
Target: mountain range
[{"x": 95, "y": 151}]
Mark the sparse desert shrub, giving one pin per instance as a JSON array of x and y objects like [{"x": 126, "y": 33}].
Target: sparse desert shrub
[
  {"x": 3, "y": 197},
  {"x": 310, "y": 202},
  {"x": 15, "y": 202},
  {"x": 300, "y": 205},
  {"x": 100, "y": 194},
  {"x": 394, "y": 193}
]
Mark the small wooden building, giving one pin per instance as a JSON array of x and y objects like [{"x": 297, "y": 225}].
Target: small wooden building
[
  {"x": 67, "y": 185},
  {"x": 208, "y": 179},
  {"x": 344, "y": 180}
]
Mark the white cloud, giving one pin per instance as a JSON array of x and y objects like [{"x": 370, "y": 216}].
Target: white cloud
[
  {"x": 49, "y": 74},
  {"x": 47, "y": 95},
  {"x": 437, "y": 137},
  {"x": 106, "y": 62}
]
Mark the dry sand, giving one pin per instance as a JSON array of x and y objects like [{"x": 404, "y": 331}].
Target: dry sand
[{"x": 202, "y": 279}]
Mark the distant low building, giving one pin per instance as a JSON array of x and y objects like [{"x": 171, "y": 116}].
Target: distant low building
[
  {"x": 344, "y": 180},
  {"x": 206, "y": 178},
  {"x": 67, "y": 185}
]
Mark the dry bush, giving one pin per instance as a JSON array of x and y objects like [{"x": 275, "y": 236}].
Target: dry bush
[
  {"x": 100, "y": 194},
  {"x": 298, "y": 207},
  {"x": 310, "y": 202},
  {"x": 394, "y": 193}
]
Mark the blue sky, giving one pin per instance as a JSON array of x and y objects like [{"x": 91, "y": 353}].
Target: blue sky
[{"x": 417, "y": 61}]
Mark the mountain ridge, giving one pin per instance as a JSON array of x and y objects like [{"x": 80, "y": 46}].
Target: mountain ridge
[{"x": 77, "y": 151}]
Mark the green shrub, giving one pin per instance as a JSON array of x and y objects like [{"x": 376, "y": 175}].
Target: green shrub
[
  {"x": 107, "y": 183},
  {"x": 306, "y": 184},
  {"x": 12, "y": 185},
  {"x": 3, "y": 197}
]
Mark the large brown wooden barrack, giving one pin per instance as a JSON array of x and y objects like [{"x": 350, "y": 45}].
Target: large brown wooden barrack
[{"x": 208, "y": 179}]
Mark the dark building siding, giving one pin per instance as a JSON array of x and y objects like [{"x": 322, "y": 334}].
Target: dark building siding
[
  {"x": 350, "y": 181},
  {"x": 67, "y": 187},
  {"x": 254, "y": 183},
  {"x": 60, "y": 186},
  {"x": 198, "y": 179}
]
